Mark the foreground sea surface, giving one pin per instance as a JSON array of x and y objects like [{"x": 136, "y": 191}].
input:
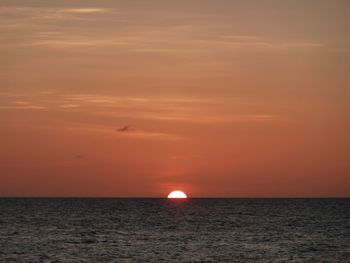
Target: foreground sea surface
[{"x": 162, "y": 230}]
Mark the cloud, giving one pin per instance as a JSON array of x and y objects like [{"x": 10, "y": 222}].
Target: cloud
[
  {"x": 64, "y": 43},
  {"x": 48, "y": 27},
  {"x": 21, "y": 102},
  {"x": 211, "y": 118},
  {"x": 23, "y": 107},
  {"x": 91, "y": 98},
  {"x": 147, "y": 135},
  {"x": 174, "y": 109},
  {"x": 250, "y": 42},
  {"x": 86, "y": 10},
  {"x": 125, "y": 128},
  {"x": 242, "y": 37},
  {"x": 48, "y": 12},
  {"x": 108, "y": 131},
  {"x": 159, "y": 109},
  {"x": 69, "y": 106}
]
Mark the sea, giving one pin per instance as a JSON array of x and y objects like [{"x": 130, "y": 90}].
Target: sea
[{"x": 168, "y": 230}]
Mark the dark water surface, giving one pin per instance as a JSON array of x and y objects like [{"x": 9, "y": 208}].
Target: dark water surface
[{"x": 161, "y": 230}]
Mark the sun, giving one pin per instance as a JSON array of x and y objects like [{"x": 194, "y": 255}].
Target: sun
[{"x": 177, "y": 194}]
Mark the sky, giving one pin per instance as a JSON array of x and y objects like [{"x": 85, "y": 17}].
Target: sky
[{"x": 138, "y": 98}]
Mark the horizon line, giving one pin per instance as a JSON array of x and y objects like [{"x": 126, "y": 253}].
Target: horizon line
[{"x": 165, "y": 197}]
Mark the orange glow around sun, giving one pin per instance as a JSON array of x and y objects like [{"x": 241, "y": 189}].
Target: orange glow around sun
[{"x": 177, "y": 194}]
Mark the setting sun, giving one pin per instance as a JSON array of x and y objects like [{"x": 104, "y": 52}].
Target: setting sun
[{"x": 177, "y": 194}]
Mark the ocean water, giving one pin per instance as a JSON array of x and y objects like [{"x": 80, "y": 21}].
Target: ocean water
[{"x": 161, "y": 230}]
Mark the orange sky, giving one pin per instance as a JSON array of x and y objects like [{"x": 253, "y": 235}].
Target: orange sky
[{"x": 138, "y": 98}]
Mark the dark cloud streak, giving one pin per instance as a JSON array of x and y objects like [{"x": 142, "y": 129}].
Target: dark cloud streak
[{"x": 125, "y": 128}]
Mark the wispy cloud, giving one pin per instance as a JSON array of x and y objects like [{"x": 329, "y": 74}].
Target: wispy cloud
[
  {"x": 23, "y": 107},
  {"x": 47, "y": 12},
  {"x": 135, "y": 37},
  {"x": 135, "y": 135},
  {"x": 160, "y": 109},
  {"x": 21, "y": 102},
  {"x": 86, "y": 10},
  {"x": 69, "y": 106},
  {"x": 147, "y": 135},
  {"x": 91, "y": 98},
  {"x": 250, "y": 42},
  {"x": 207, "y": 118}
]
